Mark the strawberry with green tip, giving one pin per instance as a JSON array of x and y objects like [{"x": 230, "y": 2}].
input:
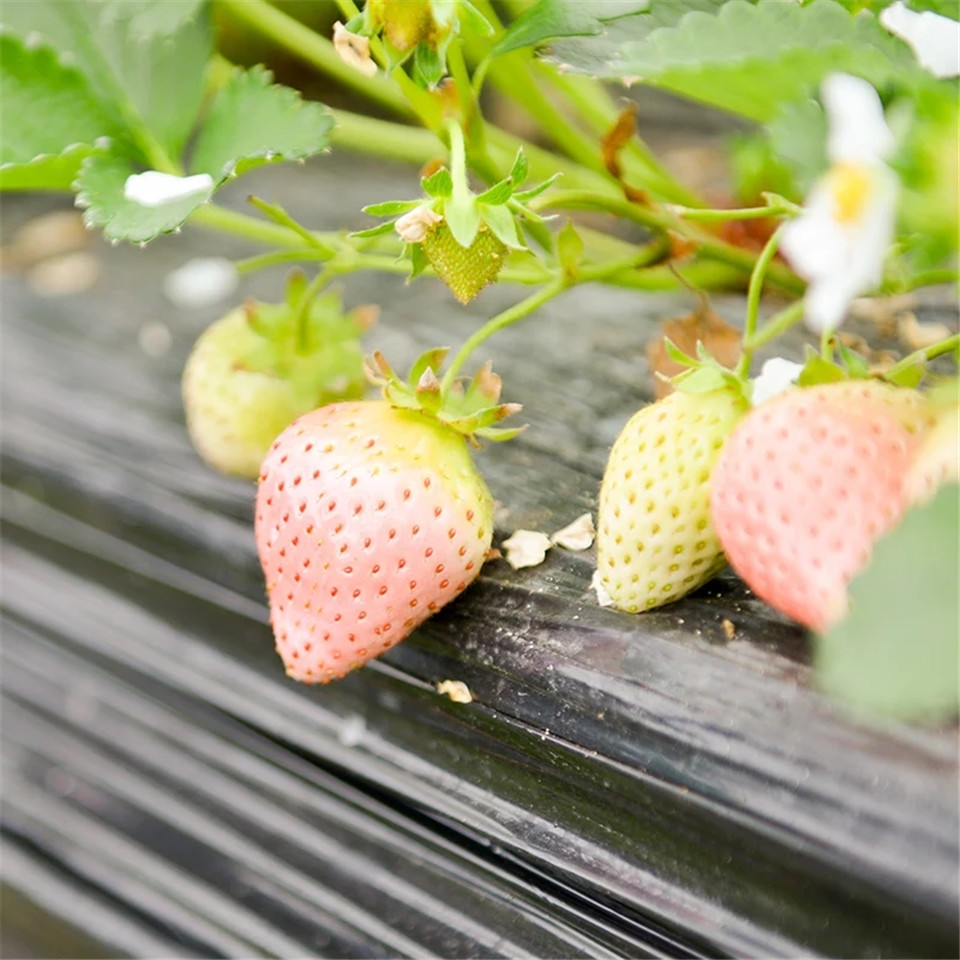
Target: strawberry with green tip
[
  {"x": 805, "y": 486},
  {"x": 371, "y": 516},
  {"x": 655, "y": 536},
  {"x": 262, "y": 365}
]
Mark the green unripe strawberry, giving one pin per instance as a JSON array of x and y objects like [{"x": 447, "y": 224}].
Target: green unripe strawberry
[
  {"x": 405, "y": 23},
  {"x": 465, "y": 270},
  {"x": 256, "y": 370},
  {"x": 655, "y": 536}
]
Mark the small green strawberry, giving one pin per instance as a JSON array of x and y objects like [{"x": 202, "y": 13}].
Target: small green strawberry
[
  {"x": 465, "y": 270},
  {"x": 262, "y": 365},
  {"x": 655, "y": 536}
]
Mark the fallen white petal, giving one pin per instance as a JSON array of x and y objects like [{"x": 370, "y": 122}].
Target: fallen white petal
[
  {"x": 415, "y": 225},
  {"x": 201, "y": 282},
  {"x": 856, "y": 128},
  {"x": 526, "y": 548},
  {"x": 154, "y": 189},
  {"x": 934, "y": 39},
  {"x": 603, "y": 598},
  {"x": 776, "y": 376},
  {"x": 456, "y": 690},
  {"x": 353, "y": 49},
  {"x": 577, "y": 535}
]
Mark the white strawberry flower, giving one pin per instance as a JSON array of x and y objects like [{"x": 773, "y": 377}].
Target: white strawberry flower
[
  {"x": 935, "y": 39},
  {"x": 154, "y": 188},
  {"x": 841, "y": 238},
  {"x": 776, "y": 376}
]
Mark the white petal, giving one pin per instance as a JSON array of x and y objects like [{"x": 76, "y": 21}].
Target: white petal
[
  {"x": 353, "y": 49},
  {"x": 856, "y": 128},
  {"x": 415, "y": 225},
  {"x": 201, "y": 282},
  {"x": 154, "y": 189},
  {"x": 526, "y": 548},
  {"x": 812, "y": 243},
  {"x": 603, "y": 598},
  {"x": 934, "y": 39},
  {"x": 776, "y": 376},
  {"x": 577, "y": 535}
]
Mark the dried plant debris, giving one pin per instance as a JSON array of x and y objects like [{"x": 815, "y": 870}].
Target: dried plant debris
[
  {"x": 704, "y": 325},
  {"x": 456, "y": 690}
]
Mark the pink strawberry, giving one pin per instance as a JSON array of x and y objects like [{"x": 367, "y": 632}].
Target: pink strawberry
[
  {"x": 369, "y": 519},
  {"x": 804, "y": 487}
]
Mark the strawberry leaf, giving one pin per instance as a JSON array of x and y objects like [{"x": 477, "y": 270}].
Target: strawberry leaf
[
  {"x": 378, "y": 230},
  {"x": 749, "y": 58},
  {"x": 390, "y": 208},
  {"x": 439, "y": 184},
  {"x": 817, "y": 370},
  {"x": 52, "y": 119},
  {"x": 144, "y": 62},
  {"x": 463, "y": 219},
  {"x": 418, "y": 260},
  {"x": 100, "y": 187},
  {"x": 520, "y": 169},
  {"x": 551, "y": 19},
  {"x": 897, "y": 651},
  {"x": 498, "y": 194},
  {"x": 253, "y": 121},
  {"x": 501, "y": 222}
]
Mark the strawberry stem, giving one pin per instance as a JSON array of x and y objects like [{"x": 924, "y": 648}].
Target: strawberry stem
[
  {"x": 925, "y": 353},
  {"x": 517, "y": 312},
  {"x": 302, "y": 315},
  {"x": 777, "y": 324},
  {"x": 754, "y": 291}
]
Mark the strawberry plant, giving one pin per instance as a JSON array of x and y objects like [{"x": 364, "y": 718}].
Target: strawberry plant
[{"x": 844, "y": 186}]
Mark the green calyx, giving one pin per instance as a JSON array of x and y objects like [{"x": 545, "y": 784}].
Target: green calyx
[
  {"x": 469, "y": 407},
  {"x": 309, "y": 341},
  {"x": 418, "y": 29},
  {"x": 704, "y": 374},
  {"x": 465, "y": 237}
]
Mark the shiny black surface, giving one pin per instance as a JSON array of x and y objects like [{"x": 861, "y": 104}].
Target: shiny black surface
[{"x": 620, "y": 786}]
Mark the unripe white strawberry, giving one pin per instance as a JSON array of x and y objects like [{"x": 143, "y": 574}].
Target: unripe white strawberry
[{"x": 655, "y": 536}]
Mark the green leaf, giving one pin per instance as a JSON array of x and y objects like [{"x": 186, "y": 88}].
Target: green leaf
[
  {"x": 252, "y": 121},
  {"x": 945, "y": 8},
  {"x": 100, "y": 190},
  {"x": 391, "y": 208},
  {"x": 910, "y": 377},
  {"x": 51, "y": 119},
  {"x": 798, "y": 136},
  {"x": 500, "y": 220},
  {"x": 150, "y": 81},
  {"x": 857, "y": 365},
  {"x": 597, "y": 54},
  {"x": 439, "y": 184},
  {"x": 377, "y": 231},
  {"x": 817, "y": 370},
  {"x": 526, "y": 195},
  {"x": 551, "y": 19},
  {"x": 463, "y": 218},
  {"x": 418, "y": 260},
  {"x": 750, "y": 58},
  {"x": 569, "y": 248},
  {"x": 896, "y": 653},
  {"x": 153, "y": 18},
  {"x": 497, "y": 194},
  {"x": 428, "y": 67},
  {"x": 520, "y": 169}
]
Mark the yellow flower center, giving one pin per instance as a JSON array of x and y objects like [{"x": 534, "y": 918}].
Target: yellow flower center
[{"x": 851, "y": 183}]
